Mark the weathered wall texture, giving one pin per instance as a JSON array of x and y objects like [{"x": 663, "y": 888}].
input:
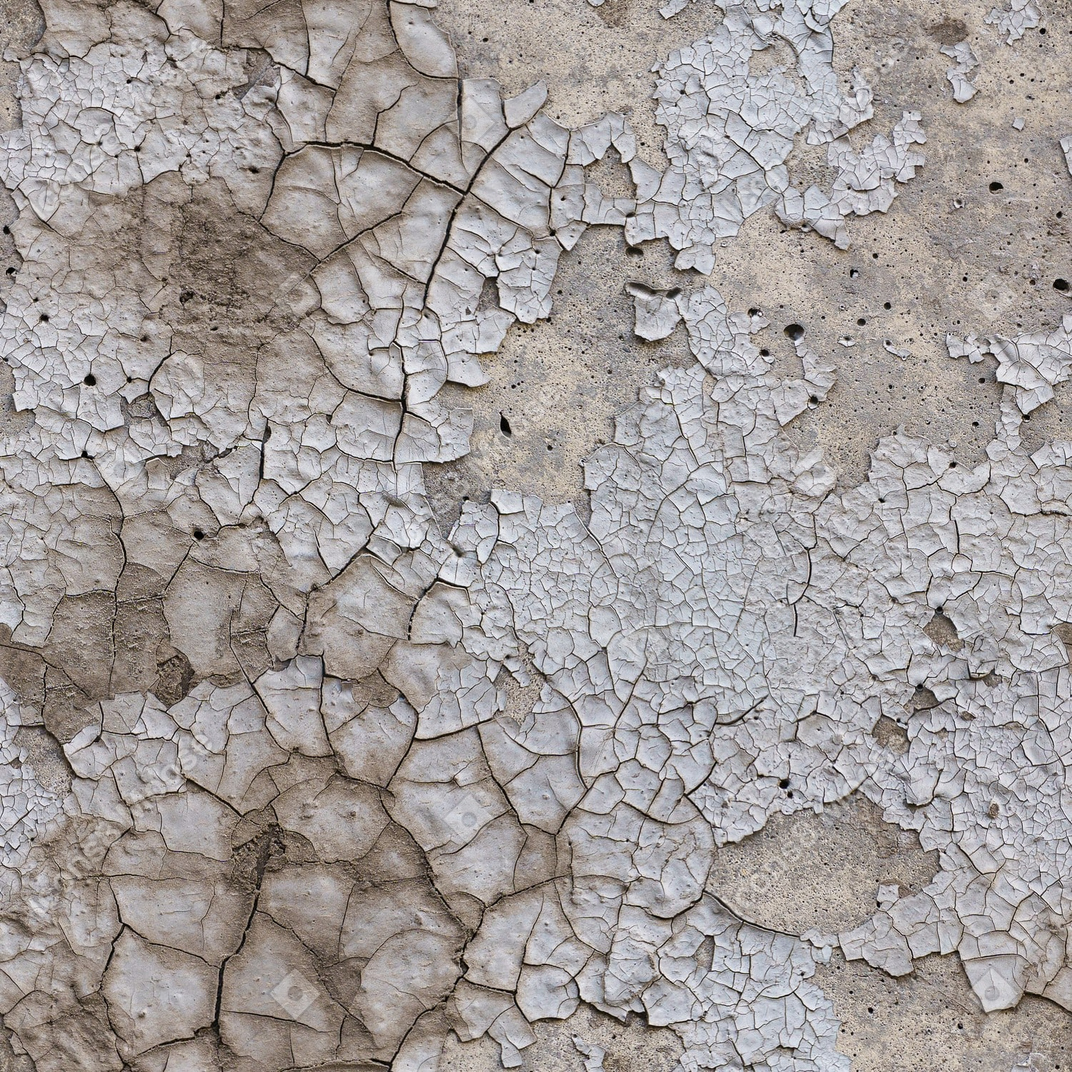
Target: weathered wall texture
[{"x": 535, "y": 533}]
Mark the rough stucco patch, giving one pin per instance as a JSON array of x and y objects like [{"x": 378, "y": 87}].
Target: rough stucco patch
[
  {"x": 780, "y": 271},
  {"x": 819, "y": 871},
  {"x": 574, "y": 1043},
  {"x": 931, "y": 1016},
  {"x": 555, "y": 388},
  {"x": 404, "y": 783}
]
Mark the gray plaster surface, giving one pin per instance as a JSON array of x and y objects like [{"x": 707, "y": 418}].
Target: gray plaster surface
[{"x": 535, "y": 534}]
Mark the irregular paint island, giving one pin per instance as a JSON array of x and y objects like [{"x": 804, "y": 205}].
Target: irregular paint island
[{"x": 302, "y": 769}]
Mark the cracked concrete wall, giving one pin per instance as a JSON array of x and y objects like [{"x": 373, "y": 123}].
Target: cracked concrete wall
[{"x": 535, "y": 548}]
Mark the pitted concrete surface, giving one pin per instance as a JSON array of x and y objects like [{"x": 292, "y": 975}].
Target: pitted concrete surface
[{"x": 535, "y": 535}]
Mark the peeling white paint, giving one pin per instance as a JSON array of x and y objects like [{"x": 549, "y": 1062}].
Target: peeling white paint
[{"x": 299, "y": 831}]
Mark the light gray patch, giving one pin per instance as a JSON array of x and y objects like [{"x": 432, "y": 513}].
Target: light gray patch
[
  {"x": 960, "y": 74},
  {"x": 393, "y": 783}
]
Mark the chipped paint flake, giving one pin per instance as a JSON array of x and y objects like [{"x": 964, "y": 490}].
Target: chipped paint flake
[{"x": 960, "y": 74}]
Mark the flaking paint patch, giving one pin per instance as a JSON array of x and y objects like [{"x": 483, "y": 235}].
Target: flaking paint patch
[{"x": 300, "y": 832}]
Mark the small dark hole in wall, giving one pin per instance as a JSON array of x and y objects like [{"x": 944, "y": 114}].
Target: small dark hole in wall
[
  {"x": 995, "y": 186},
  {"x": 1061, "y": 285},
  {"x": 764, "y": 353},
  {"x": 784, "y": 783},
  {"x": 199, "y": 534},
  {"x": 674, "y": 292},
  {"x": 854, "y": 273},
  {"x": 814, "y": 400},
  {"x": 634, "y": 251},
  {"x": 753, "y": 312},
  {"x": 886, "y": 305},
  {"x": 89, "y": 380},
  {"x": 504, "y": 425},
  {"x": 862, "y": 321},
  {"x": 794, "y": 331}
]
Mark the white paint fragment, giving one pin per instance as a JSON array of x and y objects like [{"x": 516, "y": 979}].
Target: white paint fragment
[
  {"x": 593, "y": 1055},
  {"x": 960, "y": 75},
  {"x": 656, "y": 313},
  {"x": 730, "y": 132},
  {"x": 674, "y": 7},
  {"x": 1066, "y": 149},
  {"x": 1015, "y": 19}
]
